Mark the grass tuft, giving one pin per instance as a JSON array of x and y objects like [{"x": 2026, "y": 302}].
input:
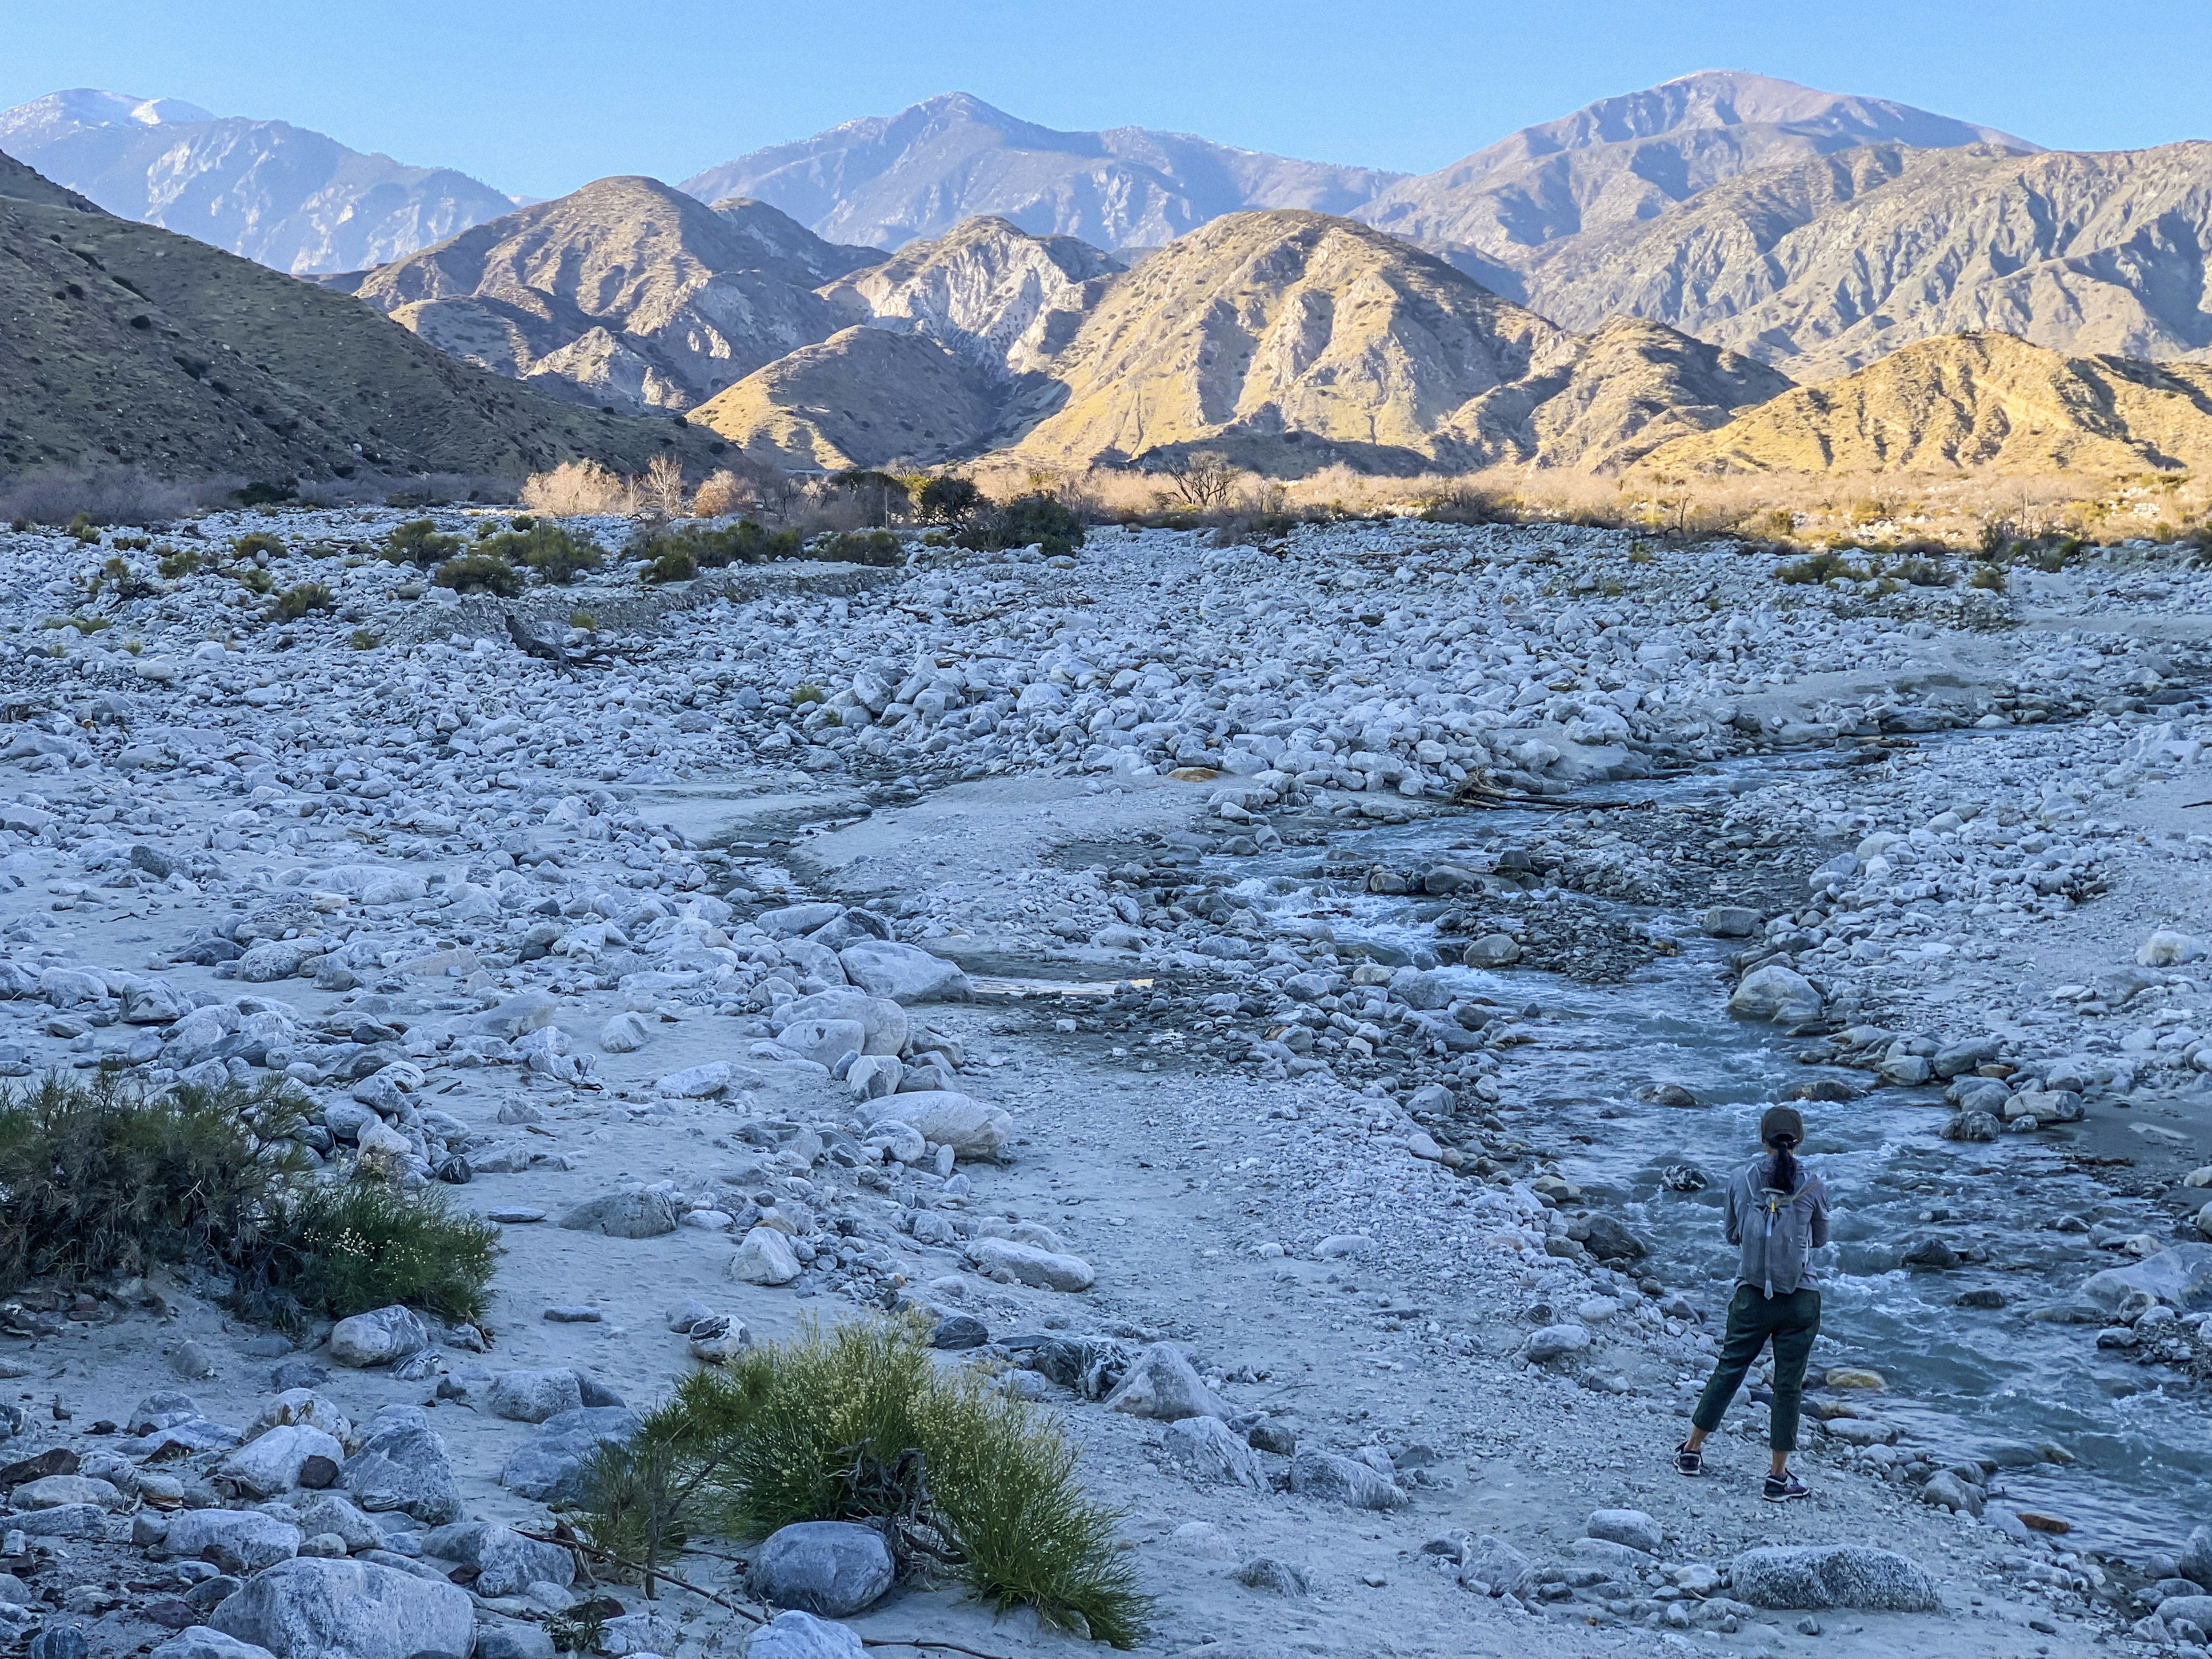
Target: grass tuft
[
  {"x": 366, "y": 1244},
  {"x": 860, "y": 1423}
]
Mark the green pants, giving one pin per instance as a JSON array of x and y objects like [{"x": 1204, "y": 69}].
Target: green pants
[{"x": 1754, "y": 1319}]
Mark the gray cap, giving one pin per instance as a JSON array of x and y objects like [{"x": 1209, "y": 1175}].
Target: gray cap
[{"x": 1779, "y": 1120}]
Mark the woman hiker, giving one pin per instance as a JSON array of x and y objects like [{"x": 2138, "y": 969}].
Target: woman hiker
[{"x": 1777, "y": 1214}]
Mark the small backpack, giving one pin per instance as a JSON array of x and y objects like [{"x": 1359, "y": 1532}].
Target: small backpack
[{"x": 1778, "y": 1235}]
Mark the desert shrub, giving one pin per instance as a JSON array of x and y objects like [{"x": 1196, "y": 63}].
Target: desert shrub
[
  {"x": 254, "y": 580},
  {"x": 860, "y": 1424},
  {"x": 873, "y": 547},
  {"x": 126, "y": 578},
  {"x": 802, "y": 694},
  {"x": 479, "y": 573},
  {"x": 345, "y": 1247},
  {"x": 258, "y": 541},
  {"x": 362, "y": 639},
  {"x": 1463, "y": 504},
  {"x": 131, "y": 544},
  {"x": 294, "y": 603},
  {"x": 97, "y": 1180},
  {"x": 418, "y": 542},
  {"x": 576, "y": 487},
  {"x": 948, "y": 500},
  {"x": 1026, "y": 519},
  {"x": 263, "y": 493},
  {"x": 1815, "y": 568},
  {"x": 1988, "y": 578},
  {"x": 1922, "y": 573},
  {"x": 691, "y": 548},
  {"x": 84, "y": 530},
  {"x": 547, "y": 549},
  {"x": 116, "y": 496},
  {"x": 178, "y": 562},
  {"x": 722, "y": 494}
]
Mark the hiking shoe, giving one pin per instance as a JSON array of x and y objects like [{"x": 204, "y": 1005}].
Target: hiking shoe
[
  {"x": 1781, "y": 1488},
  {"x": 1688, "y": 1460}
]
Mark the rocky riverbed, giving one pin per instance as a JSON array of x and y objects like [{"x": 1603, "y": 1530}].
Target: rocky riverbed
[{"x": 1288, "y": 1006}]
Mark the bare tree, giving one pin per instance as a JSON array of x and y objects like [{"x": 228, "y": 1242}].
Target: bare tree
[
  {"x": 661, "y": 488},
  {"x": 1203, "y": 479}
]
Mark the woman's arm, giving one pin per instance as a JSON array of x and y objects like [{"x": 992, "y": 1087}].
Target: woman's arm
[
  {"x": 1820, "y": 1228},
  {"x": 1732, "y": 1216}
]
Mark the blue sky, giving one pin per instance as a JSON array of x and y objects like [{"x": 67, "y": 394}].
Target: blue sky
[{"x": 537, "y": 98}]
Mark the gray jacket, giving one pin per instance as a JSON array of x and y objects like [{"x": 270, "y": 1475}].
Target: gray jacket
[{"x": 1776, "y": 1230}]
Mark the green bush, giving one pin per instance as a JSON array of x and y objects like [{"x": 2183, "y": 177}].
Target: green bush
[
  {"x": 363, "y": 1243},
  {"x": 294, "y": 603},
  {"x": 84, "y": 529},
  {"x": 546, "y": 548},
  {"x": 479, "y": 573},
  {"x": 745, "y": 542},
  {"x": 362, "y": 639},
  {"x": 179, "y": 562},
  {"x": 254, "y": 580},
  {"x": 871, "y": 547},
  {"x": 860, "y": 1423},
  {"x": 671, "y": 564},
  {"x": 1922, "y": 573},
  {"x": 948, "y": 500},
  {"x": 1815, "y": 568},
  {"x": 1019, "y": 522},
  {"x": 257, "y": 541},
  {"x": 99, "y": 1181},
  {"x": 1988, "y": 578},
  {"x": 418, "y": 542}
]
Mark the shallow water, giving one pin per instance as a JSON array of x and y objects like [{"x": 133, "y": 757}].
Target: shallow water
[{"x": 1959, "y": 1379}]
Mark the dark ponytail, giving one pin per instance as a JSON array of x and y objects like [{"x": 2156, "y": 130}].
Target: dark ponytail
[{"x": 1785, "y": 1167}]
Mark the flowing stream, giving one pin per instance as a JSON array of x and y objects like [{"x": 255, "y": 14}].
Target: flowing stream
[{"x": 1960, "y": 1382}]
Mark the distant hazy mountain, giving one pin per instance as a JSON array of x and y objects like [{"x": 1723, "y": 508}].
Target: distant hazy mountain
[
  {"x": 1828, "y": 266},
  {"x": 885, "y": 180},
  {"x": 1970, "y": 401},
  {"x": 274, "y": 192},
  {"x": 626, "y": 292},
  {"x": 1627, "y": 158},
  {"x": 127, "y": 345}
]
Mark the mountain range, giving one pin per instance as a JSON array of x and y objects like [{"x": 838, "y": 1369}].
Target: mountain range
[{"x": 1642, "y": 274}]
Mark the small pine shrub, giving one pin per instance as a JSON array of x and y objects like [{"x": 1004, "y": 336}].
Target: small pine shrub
[
  {"x": 83, "y": 529},
  {"x": 671, "y": 564},
  {"x": 418, "y": 542},
  {"x": 362, "y": 639},
  {"x": 878, "y": 547},
  {"x": 1922, "y": 573},
  {"x": 1815, "y": 568},
  {"x": 479, "y": 573},
  {"x": 101, "y": 1181},
  {"x": 133, "y": 543},
  {"x": 948, "y": 500},
  {"x": 258, "y": 541},
  {"x": 802, "y": 695},
  {"x": 585, "y": 620},
  {"x": 294, "y": 603},
  {"x": 547, "y": 549},
  {"x": 366, "y": 1244},
  {"x": 1020, "y": 522},
  {"x": 254, "y": 580},
  {"x": 1988, "y": 578},
  {"x": 179, "y": 562},
  {"x": 860, "y": 1423}
]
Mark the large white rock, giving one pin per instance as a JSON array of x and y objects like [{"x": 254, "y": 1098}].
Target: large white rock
[
  {"x": 764, "y": 1257},
  {"x": 1026, "y": 1264},
  {"x": 969, "y": 1126},
  {"x": 317, "y": 1608},
  {"x": 1163, "y": 1384},
  {"x": 883, "y": 1020},
  {"x": 1776, "y": 993},
  {"x": 904, "y": 973},
  {"x": 797, "y": 1635},
  {"x": 378, "y": 1338},
  {"x": 2168, "y": 947},
  {"x": 269, "y": 1463}
]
